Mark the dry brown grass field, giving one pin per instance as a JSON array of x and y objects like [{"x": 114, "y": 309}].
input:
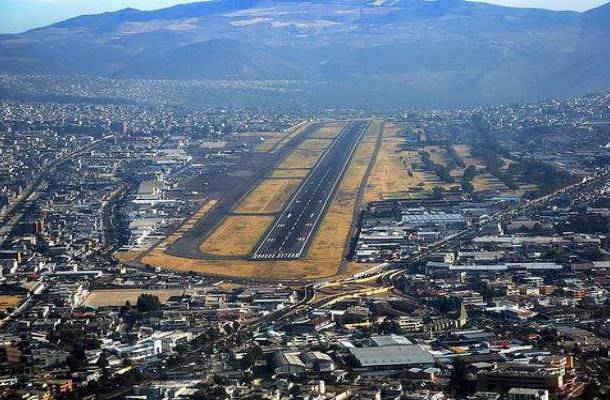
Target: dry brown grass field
[
  {"x": 393, "y": 130},
  {"x": 188, "y": 224},
  {"x": 328, "y": 131},
  {"x": 487, "y": 181},
  {"x": 263, "y": 134},
  {"x": 463, "y": 151},
  {"x": 236, "y": 236},
  {"x": 274, "y": 142},
  {"x": 126, "y": 256},
  {"x": 389, "y": 173},
  {"x": 118, "y": 297},
  {"x": 315, "y": 144},
  {"x": 301, "y": 158},
  {"x": 396, "y": 174},
  {"x": 269, "y": 196},
  {"x": 10, "y": 301},
  {"x": 289, "y": 173},
  {"x": 268, "y": 145},
  {"x": 437, "y": 154},
  {"x": 240, "y": 268}
]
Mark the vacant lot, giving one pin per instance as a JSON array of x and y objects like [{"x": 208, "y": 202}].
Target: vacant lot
[
  {"x": 236, "y": 236},
  {"x": 269, "y": 196},
  {"x": 118, "y": 297},
  {"x": 10, "y": 301}
]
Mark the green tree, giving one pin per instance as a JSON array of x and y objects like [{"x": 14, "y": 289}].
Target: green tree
[
  {"x": 437, "y": 193},
  {"x": 460, "y": 385},
  {"x": 77, "y": 358},
  {"x": 148, "y": 302},
  {"x": 253, "y": 354}
]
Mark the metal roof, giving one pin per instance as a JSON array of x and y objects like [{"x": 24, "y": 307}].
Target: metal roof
[
  {"x": 392, "y": 355},
  {"x": 390, "y": 340}
]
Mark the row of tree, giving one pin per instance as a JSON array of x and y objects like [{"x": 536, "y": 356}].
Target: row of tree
[{"x": 443, "y": 173}]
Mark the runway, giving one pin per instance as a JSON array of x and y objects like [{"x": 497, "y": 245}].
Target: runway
[{"x": 291, "y": 232}]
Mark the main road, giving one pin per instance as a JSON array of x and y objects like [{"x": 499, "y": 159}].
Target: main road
[{"x": 291, "y": 232}]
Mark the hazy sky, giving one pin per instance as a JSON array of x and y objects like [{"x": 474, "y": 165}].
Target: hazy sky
[{"x": 20, "y": 15}]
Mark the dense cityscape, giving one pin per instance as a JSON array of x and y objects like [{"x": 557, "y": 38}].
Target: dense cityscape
[{"x": 473, "y": 261}]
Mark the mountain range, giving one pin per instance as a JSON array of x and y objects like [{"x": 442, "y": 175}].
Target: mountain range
[{"x": 340, "y": 52}]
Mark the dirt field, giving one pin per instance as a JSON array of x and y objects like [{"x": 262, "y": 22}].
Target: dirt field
[
  {"x": 269, "y": 196},
  {"x": 236, "y": 235},
  {"x": 324, "y": 255},
  {"x": 10, "y": 301},
  {"x": 118, "y": 297}
]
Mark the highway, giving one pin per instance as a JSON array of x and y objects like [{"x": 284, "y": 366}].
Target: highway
[{"x": 292, "y": 230}]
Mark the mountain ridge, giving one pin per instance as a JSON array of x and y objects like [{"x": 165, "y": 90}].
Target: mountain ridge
[{"x": 451, "y": 50}]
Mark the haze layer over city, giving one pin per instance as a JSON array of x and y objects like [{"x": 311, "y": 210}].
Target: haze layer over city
[{"x": 305, "y": 199}]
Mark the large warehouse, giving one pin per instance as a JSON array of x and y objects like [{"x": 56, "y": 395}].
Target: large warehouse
[{"x": 387, "y": 357}]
